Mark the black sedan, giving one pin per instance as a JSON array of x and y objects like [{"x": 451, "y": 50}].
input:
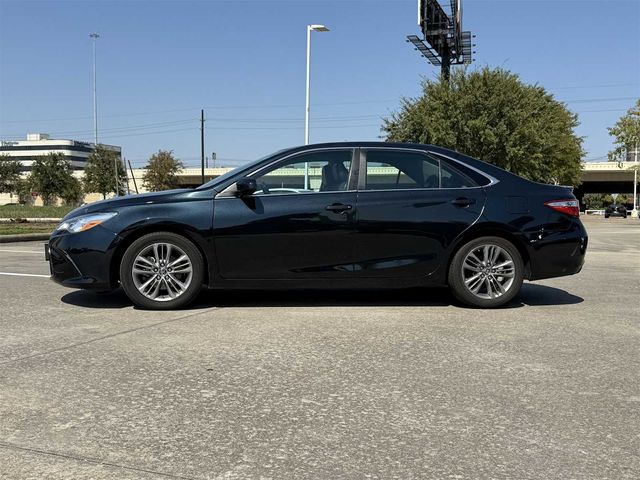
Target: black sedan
[
  {"x": 615, "y": 210},
  {"x": 340, "y": 215}
]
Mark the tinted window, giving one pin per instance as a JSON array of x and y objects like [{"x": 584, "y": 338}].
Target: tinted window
[
  {"x": 327, "y": 171},
  {"x": 392, "y": 170},
  {"x": 453, "y": 178}
]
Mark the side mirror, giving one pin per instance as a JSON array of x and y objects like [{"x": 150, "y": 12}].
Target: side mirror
[{"x": 245, "y": 187}]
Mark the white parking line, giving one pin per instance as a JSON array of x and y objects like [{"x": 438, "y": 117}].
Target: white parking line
[
  {"x": 24, "y": 275},
  {"x": 37, "y": 252}
]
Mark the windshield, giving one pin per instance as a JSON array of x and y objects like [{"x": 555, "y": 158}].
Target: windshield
[{"x": 224, "y": 177}]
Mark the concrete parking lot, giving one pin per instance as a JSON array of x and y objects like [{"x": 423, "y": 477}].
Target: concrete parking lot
[{"x": 325, "y": 385}]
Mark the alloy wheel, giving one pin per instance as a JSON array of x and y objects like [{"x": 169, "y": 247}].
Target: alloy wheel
[
  {"x": 162, "y": 272},
  {"x": 488, "y": 271}
]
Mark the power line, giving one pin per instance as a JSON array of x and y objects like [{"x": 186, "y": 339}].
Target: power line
[{"x": 213, "y": 107}]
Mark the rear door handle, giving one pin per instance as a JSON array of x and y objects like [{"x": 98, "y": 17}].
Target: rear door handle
[
  {"x": 338, "y": 207},
  {"x": 463, "y": 201}
]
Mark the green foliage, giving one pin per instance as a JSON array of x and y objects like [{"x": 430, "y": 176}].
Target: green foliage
[
  {"x": 20, "y": 228},
  {"x": 595, "y": 201},
  {"x": 33, "y": 211},
  {"x": 9, "y": 174},
  {"x": 50, "y": 176},
  {"x": 99, "y": 173},
  {"x": 23, "y": 189},
  {"x": 73, "y": 193},
  {"x": 627, "y": 134},
  {"x": 492, "y": 115},
  {"x": 161, "y": 171}
]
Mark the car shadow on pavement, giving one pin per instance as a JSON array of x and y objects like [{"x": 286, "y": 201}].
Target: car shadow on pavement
[{"x": 531, "y": 295}]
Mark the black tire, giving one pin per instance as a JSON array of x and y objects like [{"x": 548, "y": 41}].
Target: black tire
[
  {"x": 457, "y": 280},
  {"x": 606, "y": 216},
  {"x": 147, "y": 241}
]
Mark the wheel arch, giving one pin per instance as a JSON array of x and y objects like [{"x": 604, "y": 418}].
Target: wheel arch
[
  {"x": 127, "y": 240},
  {"x": 491, "y": 231}
]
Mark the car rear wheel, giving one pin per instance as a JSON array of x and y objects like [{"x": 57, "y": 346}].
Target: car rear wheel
[
  {"x": 162, "y": 271},
  {"x": 486, "y": 272}
]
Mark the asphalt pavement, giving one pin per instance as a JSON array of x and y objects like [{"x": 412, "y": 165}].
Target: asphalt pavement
[{"x": 380, "y": 384}]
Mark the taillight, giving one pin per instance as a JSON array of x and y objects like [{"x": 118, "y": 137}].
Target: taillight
[{"x": 570, "y": 207}]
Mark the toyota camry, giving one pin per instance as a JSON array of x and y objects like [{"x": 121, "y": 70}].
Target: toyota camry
[{"x": 339, "y": 215}]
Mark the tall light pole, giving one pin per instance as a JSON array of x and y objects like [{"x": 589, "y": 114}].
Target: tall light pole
[
  {"x": 310, "y": 28},
  {"x": 94, "y": 36},
  {"x": 634, "y": 212}
]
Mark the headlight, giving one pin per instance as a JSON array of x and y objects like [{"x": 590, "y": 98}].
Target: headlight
[{"x": 84, "y": 222}]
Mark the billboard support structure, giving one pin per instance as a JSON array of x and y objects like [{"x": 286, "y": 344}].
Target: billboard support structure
[{"x": 443, "y": 43}]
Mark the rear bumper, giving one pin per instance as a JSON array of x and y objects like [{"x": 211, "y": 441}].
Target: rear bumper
[
  {"x": 558, "y": 253},
  {"x": 82, "y": 260}
]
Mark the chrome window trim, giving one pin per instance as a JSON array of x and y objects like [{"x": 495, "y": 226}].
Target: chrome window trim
[
  {"x": 492, "y": 180},
  {"x": 225, "y": 194}
]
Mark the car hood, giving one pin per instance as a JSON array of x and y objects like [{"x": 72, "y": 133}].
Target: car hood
[{"x": 119, "y": 202}]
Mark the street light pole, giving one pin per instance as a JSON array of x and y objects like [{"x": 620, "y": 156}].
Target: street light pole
[
  {"x": 634, "y": 212},
  {"x": 94, "y": 36},
  {"x": 310, "y": 28}
]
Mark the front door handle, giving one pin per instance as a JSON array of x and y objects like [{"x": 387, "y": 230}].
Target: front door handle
[
  {"x": 463, "y": 201},
  {"x": 338, "y": 207}
]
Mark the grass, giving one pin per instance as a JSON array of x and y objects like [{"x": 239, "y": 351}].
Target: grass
[
  {"x": 18, "y": 228},
  {"x": 24, "y": 211}
]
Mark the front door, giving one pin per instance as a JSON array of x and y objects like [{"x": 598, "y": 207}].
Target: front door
[
  {"x": 298, "y": 224},
  {"x": 410, "y": 208}
]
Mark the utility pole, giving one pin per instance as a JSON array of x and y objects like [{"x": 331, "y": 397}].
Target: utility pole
[
  {"x": 126, "y": 177},
  {"x": 202, "y": 142},
  {"x": 133, "y": 176}
]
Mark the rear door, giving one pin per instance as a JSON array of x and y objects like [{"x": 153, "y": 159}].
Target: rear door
[
  {"x": 411, "y": 206},
  {"x": 298, "y": 224}
]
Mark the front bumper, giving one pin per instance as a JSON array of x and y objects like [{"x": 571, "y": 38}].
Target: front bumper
[{"x": 82, "y": 260}]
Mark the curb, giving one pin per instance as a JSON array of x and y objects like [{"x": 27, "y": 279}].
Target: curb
[{"x": 25, "y": 237}]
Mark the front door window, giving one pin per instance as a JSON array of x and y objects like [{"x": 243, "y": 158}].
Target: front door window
[{"x": 327, "y": 171}]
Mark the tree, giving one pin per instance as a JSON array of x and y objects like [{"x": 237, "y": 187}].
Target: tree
[
  {"x": 9, "y": 174},
  {"x": 73, "y": 193},
  {"x": 99, "y": 173},
  {"x": 492, "y": 115},
  {"x": 50, "y": 176},
  {"x": 23, "y": 188},
  {"x": 602, "y": 200},
  {"x": 161, "y": 171},
  {"x": 626, "y": 132}
]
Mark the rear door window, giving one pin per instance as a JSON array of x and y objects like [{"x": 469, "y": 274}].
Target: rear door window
[{"x": 398, "y": 170}]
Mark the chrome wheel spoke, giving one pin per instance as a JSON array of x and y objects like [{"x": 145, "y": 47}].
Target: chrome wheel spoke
[
  {"x": 180, "y": 265},
  {"x": 143, "y": 266},
  {"x": 475, "y": 284},
  {"x": 471, "y": 264},
  {"x": 167, "y": 253},
  {"x": 171, "y": 290},
  {"x": 151, "y": 287}
]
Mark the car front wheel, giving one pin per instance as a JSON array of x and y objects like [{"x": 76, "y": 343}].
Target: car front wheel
[
  {"x": 486, "y": 272},
  {"x": 162, "y": 271}
]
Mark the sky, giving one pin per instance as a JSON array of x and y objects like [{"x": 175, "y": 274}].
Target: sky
[{"x": 160, "y": 62}]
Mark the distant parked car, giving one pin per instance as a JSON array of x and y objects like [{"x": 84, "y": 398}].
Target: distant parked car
[{"x": 615, "y": 210}]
